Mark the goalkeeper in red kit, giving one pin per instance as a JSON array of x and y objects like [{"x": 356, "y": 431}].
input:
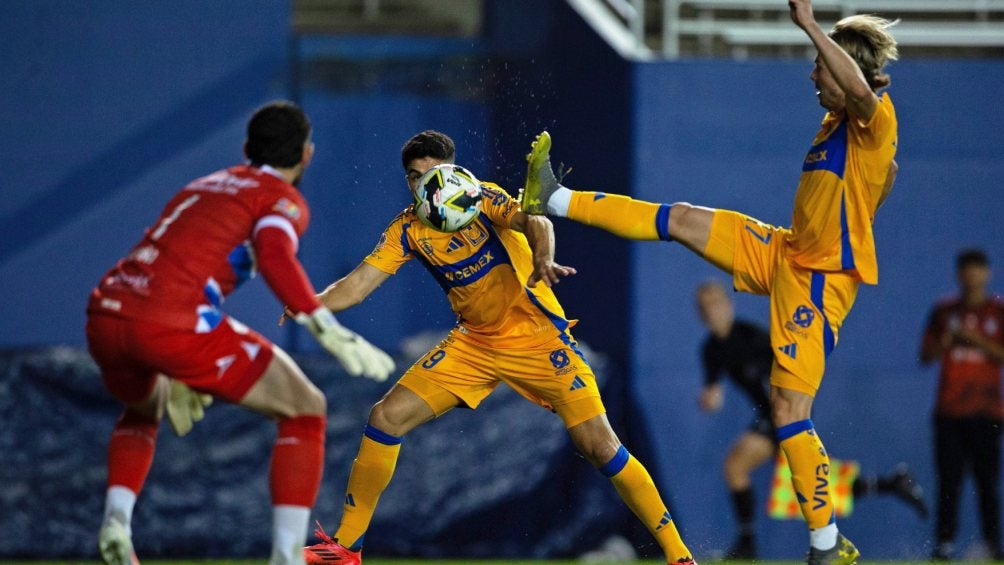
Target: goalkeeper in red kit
[{"x": 162, "y": 342}]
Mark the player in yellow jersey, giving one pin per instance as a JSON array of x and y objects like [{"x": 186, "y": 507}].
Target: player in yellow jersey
[
  {"x": 497, "y": 273},
  {"x": 812, "y": 270}
]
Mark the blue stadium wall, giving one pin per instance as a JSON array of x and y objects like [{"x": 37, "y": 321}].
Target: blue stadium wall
[{"x": 108, "y": 109}]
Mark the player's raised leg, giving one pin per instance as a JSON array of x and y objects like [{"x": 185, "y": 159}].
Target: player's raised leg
[
  {"x": 621, "y": 215},
  {"x": 597, "y": 442}
]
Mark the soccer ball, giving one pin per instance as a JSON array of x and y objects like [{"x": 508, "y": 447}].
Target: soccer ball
[{"x": 447, "y": 198}]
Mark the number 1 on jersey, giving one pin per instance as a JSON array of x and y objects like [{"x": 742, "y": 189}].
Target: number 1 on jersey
[{"x": 166, "y": 222}]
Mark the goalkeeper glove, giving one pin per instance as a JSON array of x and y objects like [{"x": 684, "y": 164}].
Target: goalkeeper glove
[
  {"x": 358, "y": 356},
  {"x": 185, "y": 407}
]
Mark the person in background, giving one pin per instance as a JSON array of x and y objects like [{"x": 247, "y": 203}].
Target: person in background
[{"x": 965, "y": 333}]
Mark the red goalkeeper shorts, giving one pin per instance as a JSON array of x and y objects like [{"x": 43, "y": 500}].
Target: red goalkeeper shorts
[{"x": 225, "y": 362}]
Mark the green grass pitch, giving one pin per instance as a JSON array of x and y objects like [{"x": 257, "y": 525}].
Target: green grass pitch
[{"x": 449, "y": 562}]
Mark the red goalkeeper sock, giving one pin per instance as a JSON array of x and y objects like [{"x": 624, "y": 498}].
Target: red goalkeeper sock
[
  {"x": 130, "y": 451},
  {"x": 297, "y": 461}
]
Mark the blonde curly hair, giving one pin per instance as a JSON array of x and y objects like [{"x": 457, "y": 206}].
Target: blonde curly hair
[{"x": 867, "y": 40}]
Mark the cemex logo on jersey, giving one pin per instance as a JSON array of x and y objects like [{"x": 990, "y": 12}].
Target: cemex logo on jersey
[{"x": 472, "y": 268}]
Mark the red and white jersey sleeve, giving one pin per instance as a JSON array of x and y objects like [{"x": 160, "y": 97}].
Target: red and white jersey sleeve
[{"x": 205, "y": 243}]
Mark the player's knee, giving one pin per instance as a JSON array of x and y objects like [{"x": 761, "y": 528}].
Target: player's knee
[
  {"x": 598, "y": 449},
  {"x": 314, "y": 402},
  {"x": 786, "y": 411},
  {"x": 394, "y": 418},
  {"x": 595, "y": 440},
  {"x": 306, "y": 401},
  {"x": 734, "y": 470},
  {"x": 598, "y": 454}
]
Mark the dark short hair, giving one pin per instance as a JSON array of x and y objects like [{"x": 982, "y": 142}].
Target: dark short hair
[
  {"x": 276, "y": 134},
  {"x": 429, "y": 143},
  {"x": 971, "y": 257}
]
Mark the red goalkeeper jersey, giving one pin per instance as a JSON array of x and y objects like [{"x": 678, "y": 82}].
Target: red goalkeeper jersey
[{"x": 219, "y": 231}]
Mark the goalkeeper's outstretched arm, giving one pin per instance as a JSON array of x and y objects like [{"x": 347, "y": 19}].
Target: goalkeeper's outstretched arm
[{"x": 357, "y": 355}]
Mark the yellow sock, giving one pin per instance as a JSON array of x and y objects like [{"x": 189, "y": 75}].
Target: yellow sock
[
  {"x": 621, "y": 215},
  {"x": 810, "y": 471},
  {"x": 370, "y": 475},
  {"x": 636, "y": 488}
]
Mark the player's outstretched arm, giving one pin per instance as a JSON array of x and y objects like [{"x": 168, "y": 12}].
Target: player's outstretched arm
[
  {"x": 353, "y": 288},
  {"x": 347, "y": 291},
  {"x": 285, "y": 276},
  {"x": 539, "y": 234},
  {"x": 355, "y": 353},
  {"x": 861, "y": 100}
]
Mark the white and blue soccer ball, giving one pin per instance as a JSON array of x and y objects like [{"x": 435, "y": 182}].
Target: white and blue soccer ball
[{"x": 448, "y": 197}]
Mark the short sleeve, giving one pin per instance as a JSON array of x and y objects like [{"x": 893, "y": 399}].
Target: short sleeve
[
  {"x": 392, "y": 249},
  {"x": 881, "y": 128},
  {"x": 497, "y": 204}
]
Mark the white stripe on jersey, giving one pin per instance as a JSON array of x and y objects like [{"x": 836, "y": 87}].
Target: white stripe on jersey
[{"x": 276, "y": 221}]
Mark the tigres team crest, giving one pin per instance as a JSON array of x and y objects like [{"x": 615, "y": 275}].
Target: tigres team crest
[{"x": 474, "y": 233}]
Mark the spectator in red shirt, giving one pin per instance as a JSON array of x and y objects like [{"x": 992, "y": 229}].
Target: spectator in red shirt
[{"x": 966, "y": 333}]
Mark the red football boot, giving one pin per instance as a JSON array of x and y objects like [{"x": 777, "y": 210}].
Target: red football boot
[{"x": 330, "y": 551}]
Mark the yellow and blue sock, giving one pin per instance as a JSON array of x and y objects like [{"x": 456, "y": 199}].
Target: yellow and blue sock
[
  {"x": 638, "y": 491},
  {"x": 810, "y": 477},
  {"x": 621, "y": 215},
  {"x": 371, "y": 473}
]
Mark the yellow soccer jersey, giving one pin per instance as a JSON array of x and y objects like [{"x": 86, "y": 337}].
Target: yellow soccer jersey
[
  {"x": 483, "y": 268},
  {"x": 839, "y": 191}
]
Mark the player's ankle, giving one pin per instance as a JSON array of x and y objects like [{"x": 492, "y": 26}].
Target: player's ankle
[{"x": 558, "y": 203}]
